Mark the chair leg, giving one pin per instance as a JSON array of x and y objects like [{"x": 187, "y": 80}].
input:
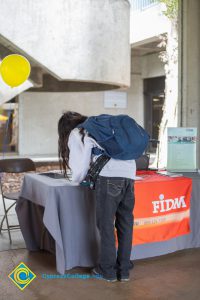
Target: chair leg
[
  {"x": 7, "y": 220},
  {"x": 1, "y": 225}
]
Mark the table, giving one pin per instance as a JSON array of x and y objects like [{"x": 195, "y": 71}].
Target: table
[
  {"x": 52, "y": 210},
  {"x": 67, "y": 213}
]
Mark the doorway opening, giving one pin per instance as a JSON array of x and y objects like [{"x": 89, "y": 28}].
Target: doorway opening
[{"x": 154, "y": 97}]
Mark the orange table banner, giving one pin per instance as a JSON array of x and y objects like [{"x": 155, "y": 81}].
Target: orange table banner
[{"x": 162, "y": 207}]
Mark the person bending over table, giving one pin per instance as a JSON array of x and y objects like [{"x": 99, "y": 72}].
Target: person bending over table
[{"x": 114, "y": 191}]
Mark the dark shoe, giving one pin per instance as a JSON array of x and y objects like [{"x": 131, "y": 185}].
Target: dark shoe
[
  {"x": 124, "y": 279},
  {"x": 97, "y": 272}
]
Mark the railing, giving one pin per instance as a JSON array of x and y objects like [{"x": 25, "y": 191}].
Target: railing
[{"x": 142, "y": 4}]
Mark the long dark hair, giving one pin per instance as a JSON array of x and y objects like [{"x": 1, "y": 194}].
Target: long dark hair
[{"x": 68, "y": 121}]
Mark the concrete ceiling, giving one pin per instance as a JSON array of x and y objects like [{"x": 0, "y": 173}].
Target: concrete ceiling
[{"x": 147, "y": 48}]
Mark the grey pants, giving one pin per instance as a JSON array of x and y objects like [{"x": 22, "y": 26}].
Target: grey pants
[{"x": 114, "y": 208}]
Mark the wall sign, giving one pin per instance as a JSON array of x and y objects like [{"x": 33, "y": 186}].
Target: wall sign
[
  {"x": 115, "y": 99},
  {"x": 181, "y": 148}
]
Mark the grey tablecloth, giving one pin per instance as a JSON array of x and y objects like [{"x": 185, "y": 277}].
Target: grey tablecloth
[{"x": 66, "y": 215}]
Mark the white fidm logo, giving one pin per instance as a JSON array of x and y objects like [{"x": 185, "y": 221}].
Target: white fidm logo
[{"x": 163, "y": 205}]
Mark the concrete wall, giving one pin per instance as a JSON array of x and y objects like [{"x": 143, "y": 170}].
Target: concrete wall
[
  {"x": 136, "y": 89},
  {"x": 85, "y": 40},
  {"x": 40, "y": 112},
  {"x": 147, "y": 23},
  {"x": 152, "y": 66}
]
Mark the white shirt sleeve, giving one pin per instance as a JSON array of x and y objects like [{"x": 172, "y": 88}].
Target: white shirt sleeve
[{"x": 79, "y": 155}]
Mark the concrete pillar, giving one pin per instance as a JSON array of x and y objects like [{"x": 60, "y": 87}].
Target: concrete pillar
[{"x": 189, "y": 71}]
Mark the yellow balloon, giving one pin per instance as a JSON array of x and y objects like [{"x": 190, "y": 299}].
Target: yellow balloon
[{"x": 15, "y": 69}]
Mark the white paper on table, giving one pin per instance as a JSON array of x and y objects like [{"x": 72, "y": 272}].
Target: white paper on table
[{"x": 138, "y": 178}]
